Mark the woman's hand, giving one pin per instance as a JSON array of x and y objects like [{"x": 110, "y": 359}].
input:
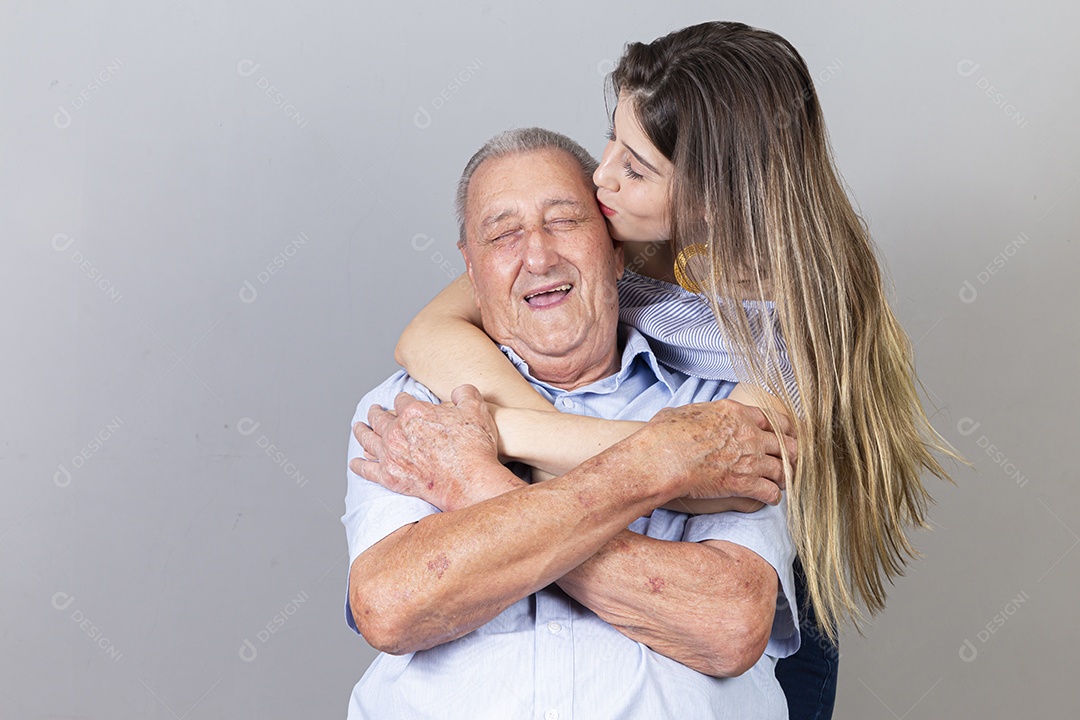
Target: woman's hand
[
  {"x": 431, "y": 451},
  {"x": 720, "y": 449}
]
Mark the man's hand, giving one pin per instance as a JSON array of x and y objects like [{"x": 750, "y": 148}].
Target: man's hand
[
  {"x": 430, "y": 451},
  {"x": 720, "y": 449}
]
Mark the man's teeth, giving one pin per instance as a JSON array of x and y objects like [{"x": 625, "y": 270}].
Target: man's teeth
[{"x": 561, "y": 288}]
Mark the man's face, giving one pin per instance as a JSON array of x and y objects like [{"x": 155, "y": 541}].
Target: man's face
[{"x": 543, "y": 265}]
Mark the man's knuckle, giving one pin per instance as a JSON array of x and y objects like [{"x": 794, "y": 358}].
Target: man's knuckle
[{"x": 411, "y": 412}]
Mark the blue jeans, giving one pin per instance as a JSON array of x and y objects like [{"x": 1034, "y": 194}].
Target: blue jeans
[{"x": 809, "y": 676}]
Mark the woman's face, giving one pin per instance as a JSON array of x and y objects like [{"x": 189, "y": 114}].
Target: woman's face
[{"x": 633, "y": 180}]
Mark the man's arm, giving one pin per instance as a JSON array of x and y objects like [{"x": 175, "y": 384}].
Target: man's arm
[
  {"x": 444, "y": 576},
  {"x": 498, "y": 559},
  {"x": 707, "y": 605},
  {"x": 711, "y": 605}
]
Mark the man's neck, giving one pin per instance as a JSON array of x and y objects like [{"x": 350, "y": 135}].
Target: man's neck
[{"x": 569, "y": 374}]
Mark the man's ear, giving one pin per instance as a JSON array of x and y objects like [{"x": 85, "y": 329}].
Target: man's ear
[{"x": 469, "y": 270}]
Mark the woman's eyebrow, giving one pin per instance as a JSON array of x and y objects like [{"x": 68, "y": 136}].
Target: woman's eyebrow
[{"x": 640, "y": 159}]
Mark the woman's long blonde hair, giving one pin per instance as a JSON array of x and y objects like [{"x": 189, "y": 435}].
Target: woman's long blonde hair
[{"x": 735, "y": 110}]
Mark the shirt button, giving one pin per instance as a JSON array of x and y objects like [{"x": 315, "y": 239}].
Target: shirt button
[
  {"x": 551, "y": 715},
  {"x": 566, "y": 402},
  {"x": 554, "y": 627}
]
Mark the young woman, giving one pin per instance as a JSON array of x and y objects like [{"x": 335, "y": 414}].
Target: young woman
[{"x": 718, "y": 176}]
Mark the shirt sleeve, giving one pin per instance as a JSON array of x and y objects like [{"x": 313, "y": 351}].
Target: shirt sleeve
[
  {"x": 764, "y": 532},
  {"x": 371, "y": 511}
]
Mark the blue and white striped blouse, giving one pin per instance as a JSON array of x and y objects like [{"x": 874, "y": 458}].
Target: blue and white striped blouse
[{"x": 684, "y": 333}]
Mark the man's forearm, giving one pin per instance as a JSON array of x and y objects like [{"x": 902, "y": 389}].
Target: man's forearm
[
  {"x": 707, "y": 605},
  {"x": 454, "y": 571}
]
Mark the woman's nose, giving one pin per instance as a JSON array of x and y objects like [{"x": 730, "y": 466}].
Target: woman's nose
[{"x": 605, "y": 175}]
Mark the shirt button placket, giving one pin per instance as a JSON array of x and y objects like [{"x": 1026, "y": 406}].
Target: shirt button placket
[{"x": 554, "y": 689}]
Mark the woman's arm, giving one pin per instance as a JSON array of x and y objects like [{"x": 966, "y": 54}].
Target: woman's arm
[
  {"x": 444, "y": 347},
  {"x": 554, "y": 444}
]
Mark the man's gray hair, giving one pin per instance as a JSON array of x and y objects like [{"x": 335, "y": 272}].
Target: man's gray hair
[{"x": 513, "y": 142}]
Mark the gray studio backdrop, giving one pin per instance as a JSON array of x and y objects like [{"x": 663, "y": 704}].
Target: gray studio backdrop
[{"x": 217, "y": 217}]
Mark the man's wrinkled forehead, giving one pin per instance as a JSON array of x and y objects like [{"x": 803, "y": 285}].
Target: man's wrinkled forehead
[
  {"x": 509, "y": 187},
  {"x": 501, "y": 211}
]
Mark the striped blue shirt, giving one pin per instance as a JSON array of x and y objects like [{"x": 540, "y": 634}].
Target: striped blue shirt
[
  {"x": 547, "y": 656},
  {"x": 685, "y": 334}
]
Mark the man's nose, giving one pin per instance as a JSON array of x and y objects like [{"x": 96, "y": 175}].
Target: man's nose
[
  {"x": 540, "y": 252},
  {"x": 606, "y": 175}
]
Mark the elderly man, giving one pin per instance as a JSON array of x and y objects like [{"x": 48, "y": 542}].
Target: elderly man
[{"x": 578, "y": 597}]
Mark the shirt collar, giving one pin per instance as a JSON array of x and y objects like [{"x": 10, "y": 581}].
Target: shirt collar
[{"x": 634, "y": 345}]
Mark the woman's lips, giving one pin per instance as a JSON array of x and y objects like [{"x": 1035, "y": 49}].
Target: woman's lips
[{"x": 608, "y": 212}]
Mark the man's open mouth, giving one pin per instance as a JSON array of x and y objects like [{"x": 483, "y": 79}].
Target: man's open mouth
[{"x": 548, "y": 297}]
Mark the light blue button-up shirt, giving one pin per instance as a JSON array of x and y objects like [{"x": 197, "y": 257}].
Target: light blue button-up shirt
[{"x": 547, "y": 656}]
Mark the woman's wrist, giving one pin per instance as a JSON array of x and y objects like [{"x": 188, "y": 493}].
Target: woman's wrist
[{"x": 511, "y": 422}]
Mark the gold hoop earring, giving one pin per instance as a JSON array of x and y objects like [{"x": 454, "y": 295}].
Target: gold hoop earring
[{"x": 682, "y": 260}]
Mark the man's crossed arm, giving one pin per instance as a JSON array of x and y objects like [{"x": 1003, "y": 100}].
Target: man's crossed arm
[{"x": 707, "y": 605}]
